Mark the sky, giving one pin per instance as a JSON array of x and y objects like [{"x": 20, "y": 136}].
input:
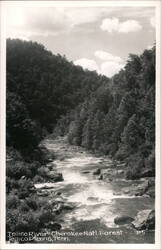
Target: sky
[{"x": 96, "y": 38}]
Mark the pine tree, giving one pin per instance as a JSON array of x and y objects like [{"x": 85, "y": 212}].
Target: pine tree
[
  {"x": 87, "y": 135},
  {"x": 130, "y": 135}
]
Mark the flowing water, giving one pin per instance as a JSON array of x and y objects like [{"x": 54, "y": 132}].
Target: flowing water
[{"x": 96, "y": 202}]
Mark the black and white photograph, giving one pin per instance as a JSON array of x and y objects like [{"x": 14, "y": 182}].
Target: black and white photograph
[{"x": 80, "y": 93}]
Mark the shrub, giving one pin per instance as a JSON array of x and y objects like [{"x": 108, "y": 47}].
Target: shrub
[
  {"x": 150, "y": 161},
  {"x": 30, "y": 214},
  {"x": 135, "y": 164},
  {"x": 45, "y": 216},
  {"x": 38, "y": 179},
  {"x": 27, "y": 222},
  {"x": 43, "y": 171},
  {"x": 11, "y": 184},
  {"x": 12, "y": 153},
  {"x": 122, "y": 153},
  {"x": 24, "y": 206},
  {"x": 11, "y": 219},
  {"x": 26, "y": 188},
  {"x": 112, "y": 148},
  {"x": 12, "y": 201},
  {"x": 32, "y": 203},
  {"x": 17, "y": 169}
]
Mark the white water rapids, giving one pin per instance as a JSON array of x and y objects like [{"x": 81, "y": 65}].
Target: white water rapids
[{"x": 95, "y": 200}]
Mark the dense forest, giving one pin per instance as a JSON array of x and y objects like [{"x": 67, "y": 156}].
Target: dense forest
[
  {"x": 41, "y": 87},
  {"x": 119, "y": 117},
  {"x": 48, "y": 94}
]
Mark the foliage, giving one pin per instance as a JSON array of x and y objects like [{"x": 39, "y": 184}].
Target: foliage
[
  {"x": 41, "y": 87},
  {"x": 119, "y": 117},
  {"x": 27, "y": 215}
]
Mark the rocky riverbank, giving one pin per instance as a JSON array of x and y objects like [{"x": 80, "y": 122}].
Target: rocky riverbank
[{"x": 144, "y": 186}]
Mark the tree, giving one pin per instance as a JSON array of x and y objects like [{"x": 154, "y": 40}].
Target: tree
[
  {"x": 87, "y": 135},
  {"x": 130, "y": 135}
]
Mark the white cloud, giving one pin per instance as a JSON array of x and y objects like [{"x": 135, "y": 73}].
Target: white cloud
[
  {"x": 35, "y": 21},
  {"x": 103, "y": 55},
  {"x": 49, "y": 20},
  {"x": 111, "y": 65},
  {"x": 87, "y": 64},
  {"x": 129, "y": 26},
  {"x": 45, "y": 21},
  {"x": 110, "y": 68},
  {"x": 77, "y": 16},
  {"x": 113, "y": 24},
  {"x": 152, "y": 21},
  {"x": 107, "y": 68},
  {"x": 110, "y": 24}
]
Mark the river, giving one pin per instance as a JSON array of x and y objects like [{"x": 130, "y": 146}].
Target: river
[{"x": 96, "y": 202}]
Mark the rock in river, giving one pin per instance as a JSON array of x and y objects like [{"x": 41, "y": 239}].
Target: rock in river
[
  {"x": 58, "y": 193},
  {"x": 100, "y": 177},
  {"x": 85, "y": 172},
  {"x": 97, "y": 171},
  {"x": 55, "y": 176},
  {"x": 67, "y": 206},
  {"x": 124, "y": 219},
  {"x": 145, "y": 219},
  {"x": 148, "y": 172}
]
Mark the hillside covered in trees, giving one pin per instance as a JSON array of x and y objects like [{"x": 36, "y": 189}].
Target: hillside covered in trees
[
  {"x": 48, "y": 94},
  {"x": 41, "y": 87},
  {"x": 119, "y": 117}
]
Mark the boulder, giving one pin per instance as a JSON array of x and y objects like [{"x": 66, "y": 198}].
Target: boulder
[
  {"x": 147, "y": 187},
  {"x": 97, "y": 171},
  {"x": 55, "y": 176},
  {"x": 150, "y": 223},
  {"x": 58, "y": 193},
  {"x": 151, "y": 181},
  {"x": 145, "y": 219},
  {"x": 124, "y": 219},
  {"x": 141, "y": 189},
  {"x": 58, "y": 177},
  {"x": 92, "y": 198},
  {"x": 100, "y": 177},
  {"x": 51, "y": 174},
  {"x": 67, "y": 206},
  {"x": 85, "y": 171},
  {"x": 50, "y": 166},
  {"x": 151, "y": 191},
  {"x": 146, "y": 195},
  {"x": 147, "y": 172},
  {"x": 126, "y": 190},
  {"x": 47, "y": 187}
]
